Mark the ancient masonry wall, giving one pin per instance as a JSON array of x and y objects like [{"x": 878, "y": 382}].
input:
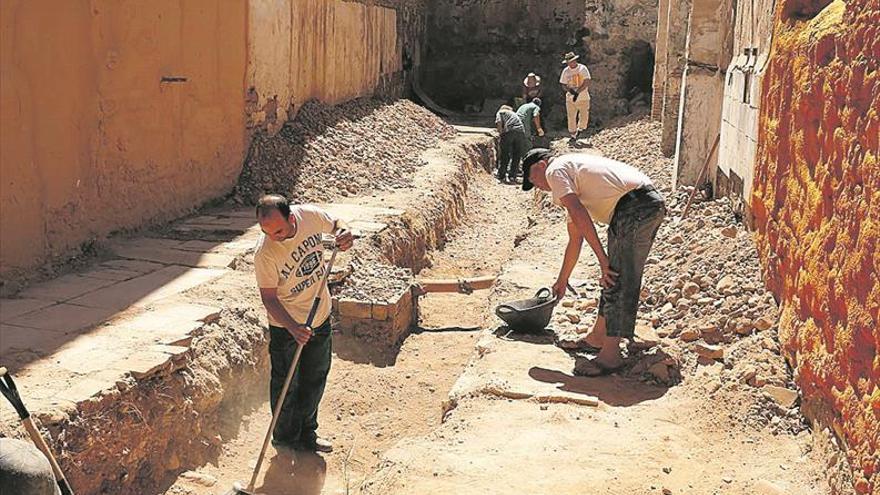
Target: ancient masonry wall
[
  {"x": 117, "y": 114},
  {"x": 482, "y": 50},
  {"x": 816, "y": 204}
]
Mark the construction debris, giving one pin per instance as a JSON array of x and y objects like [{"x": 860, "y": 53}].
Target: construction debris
[{"x": 329, "y": 152}]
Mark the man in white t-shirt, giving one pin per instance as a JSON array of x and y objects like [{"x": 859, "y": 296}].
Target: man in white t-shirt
[
  {"x": 594, "y": 188},
  {"x": 289, "y": 266},
  {"x": 575, "y": 79}
]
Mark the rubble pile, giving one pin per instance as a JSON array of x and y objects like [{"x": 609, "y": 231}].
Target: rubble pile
[
  {"x": 703, "y": 300},
  {"x": 328, "y": 152},
  {"x": 376, "y": 282}
]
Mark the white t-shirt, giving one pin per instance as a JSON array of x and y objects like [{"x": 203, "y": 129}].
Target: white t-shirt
[
  {"x": 295, "y": 266},
  {"x": 597, "y": 181},
  {"x": 573, "y": 78}
]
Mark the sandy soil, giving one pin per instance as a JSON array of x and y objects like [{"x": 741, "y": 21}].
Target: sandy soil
[{"x": 711, "y": 433}]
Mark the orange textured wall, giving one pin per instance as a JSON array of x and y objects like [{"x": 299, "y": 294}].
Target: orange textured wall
[
  {"x": 816, "y": 203},
  {"x": 91, "y": 140}
]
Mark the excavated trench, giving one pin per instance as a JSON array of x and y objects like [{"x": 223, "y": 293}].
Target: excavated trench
[
  {"x": 211, "y": 406},
  {"x": 371, "y": 402}
]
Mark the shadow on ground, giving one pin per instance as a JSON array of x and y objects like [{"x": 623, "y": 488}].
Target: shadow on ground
[{"x": 613, "y": 390}]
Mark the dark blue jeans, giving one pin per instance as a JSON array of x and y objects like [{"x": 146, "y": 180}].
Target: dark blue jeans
[
  {"x": 631, "y": 233},
  {"x": 298, "y": 419}
]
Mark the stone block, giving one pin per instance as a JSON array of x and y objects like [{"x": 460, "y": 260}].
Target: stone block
[
  {"x": 785, "y": 397},
  {"x": 353, "y": 308},
  {"x": 381, "y": 310},
  {"x": 114, "y": 274},
  {"x": 170, "y": 256},
  {"x": 139, "y": 266},
  {"x": 84, "y": 388},
  {"x": 64, "y": 288},
  {"x": 10, "y": 308},
  {"x": 149, "y": 288},
  {"x": 64, "y": 318},
  {"x": 14, "y": 339}
]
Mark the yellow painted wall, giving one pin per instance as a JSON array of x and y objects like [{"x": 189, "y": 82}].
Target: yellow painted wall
[
  {"x": 91, "y": 141},
  {"x": 330, "y": 50}
]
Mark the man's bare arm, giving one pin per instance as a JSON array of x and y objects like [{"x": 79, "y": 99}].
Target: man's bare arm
[{"x": 584, "y": 223}]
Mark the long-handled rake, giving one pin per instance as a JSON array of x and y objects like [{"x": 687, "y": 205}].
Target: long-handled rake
[
  {"x": 8, "y": 388},
  {"x": 237, "y": 486}
]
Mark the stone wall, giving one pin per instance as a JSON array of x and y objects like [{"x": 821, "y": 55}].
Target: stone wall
[
  {"x": 482, "y": 50},
  {"x": 753, "y": 29},
  {"x": 709, "y": 46},
  {"x": 816, "y": 204}
]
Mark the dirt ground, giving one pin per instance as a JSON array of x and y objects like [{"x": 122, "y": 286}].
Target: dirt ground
[{"x": 713, "y": 431}]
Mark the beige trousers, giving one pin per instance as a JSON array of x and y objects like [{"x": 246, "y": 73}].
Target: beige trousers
[{"x": 578, "y": 112}]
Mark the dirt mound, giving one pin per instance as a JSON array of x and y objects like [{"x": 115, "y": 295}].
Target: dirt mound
[{"x": 328, "y": 152}]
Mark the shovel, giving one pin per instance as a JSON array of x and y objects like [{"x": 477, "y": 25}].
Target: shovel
[
  {"x": 237, "y": 486},
  {"x": 10, "y": 391}
]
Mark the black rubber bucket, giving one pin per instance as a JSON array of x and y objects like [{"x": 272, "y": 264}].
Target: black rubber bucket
[{"x": 528, "y": 315}]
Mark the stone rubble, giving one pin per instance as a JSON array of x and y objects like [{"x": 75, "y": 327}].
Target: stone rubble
[
  {"x": 702, "y": 290},
  {"x": 331, "y": 152}
]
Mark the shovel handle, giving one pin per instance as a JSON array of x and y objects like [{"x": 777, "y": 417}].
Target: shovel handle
[{"x": 290, "y": 372}]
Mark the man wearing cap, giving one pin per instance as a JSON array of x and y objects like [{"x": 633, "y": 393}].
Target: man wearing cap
[
  {"x": 594, "y": 188},
  {"x": 530, "y": 115},
  {"x": 575, "y": 79}
]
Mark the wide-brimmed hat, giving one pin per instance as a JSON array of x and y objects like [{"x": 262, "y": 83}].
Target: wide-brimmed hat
[{"x": 569, "y": 57}]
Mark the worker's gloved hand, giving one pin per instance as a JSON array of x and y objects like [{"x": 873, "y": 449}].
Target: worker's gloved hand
[
  {"x": 540, "y": 132},
  {"x": 301, "y": 334}
]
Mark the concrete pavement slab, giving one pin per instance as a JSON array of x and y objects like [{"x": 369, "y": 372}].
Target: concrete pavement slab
[
  {"x": 64, "y": 288},
  {"x": 64, "y": 318},
  {"x": 149, "y": 288},
  {"x": 10, "y": 308}
]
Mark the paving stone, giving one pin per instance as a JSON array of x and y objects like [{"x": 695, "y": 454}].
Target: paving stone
[
  {"x": 149, "y": 288},
  {"x": 92, "y": 353},
  {"x": 10, "y": 308},
  {"x": 139, "y": 266},
  {"x": 171, "y": 323},
  {"x": 84, "y": 388},
  {"x": 201, "y": 246},
  {"x": 176, "y": 256},
  {"x": 146, "y": 363},
  {"x": 15, "y": 338},
  {"x": 64, "y": 288},
  {"x": 65, "y": 318},
  {"x": 154, "y": 359},
  {"x": 111, "y": 274}
]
